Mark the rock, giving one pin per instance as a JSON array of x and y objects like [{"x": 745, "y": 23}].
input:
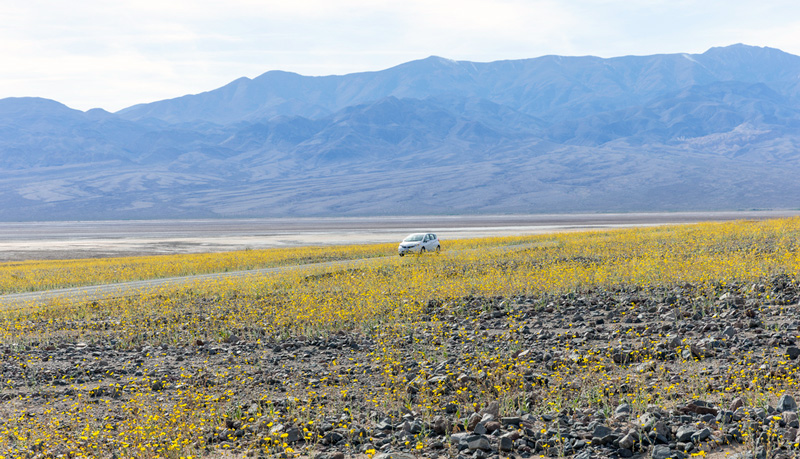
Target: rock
[
  {"x": 441, "y": 425},
  {"x": 513, "y": 421},
  {"x": 725, "y": 417},
  {"x": 792, "y": 352},
  {"x": 737, "y": 403},
  {"x": 332, "y": 438},
  {"x": 662, "y": 452},
  {"x": 293, "y": 435},
  {"x": 791, "y": 419},
  {"x": 786, "y": 403},
  {"x": 492, "y": 426},
  {"x": 473, "y": 421},
  {"x": 330, "y": 455},
  {"x": 697, "y": 352},
  {"x": 623, "y": 408},
  {"x": 506, "y": 444},
  {"x": 701, "y": 435},
  {"x": 384, "y": 425},
  {"x": 643, "y": 367},
  {"x": 395, "y": 455},
  {"x": 699, "y": 407},
  {"x": 479, "y": 442},
  {"x": 647, "y": 421},
  {"x": 601, "y": 432},
  {"x": 627, "y": 442},
  {"x": 493, "y": 408},
  {"x": 684, "y": 433}
]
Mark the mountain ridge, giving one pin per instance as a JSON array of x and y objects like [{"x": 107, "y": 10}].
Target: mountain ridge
[{"x": 710, "y": 131}]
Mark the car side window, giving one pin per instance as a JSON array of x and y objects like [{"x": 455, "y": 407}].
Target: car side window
[{"x": 426, "y": 238}]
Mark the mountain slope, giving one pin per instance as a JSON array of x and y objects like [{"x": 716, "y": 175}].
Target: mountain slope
[
  {"x": 718, "y": 130},
  {"x": 543, "y": 87}
]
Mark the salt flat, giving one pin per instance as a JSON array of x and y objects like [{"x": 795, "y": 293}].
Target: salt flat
[{"x": 91, "y": 239}]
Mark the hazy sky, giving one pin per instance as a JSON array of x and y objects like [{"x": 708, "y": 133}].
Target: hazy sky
[{"x": 112, "y": 54}]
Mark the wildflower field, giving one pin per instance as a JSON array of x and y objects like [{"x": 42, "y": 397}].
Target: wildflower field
[{"x": 601, "y": 344}]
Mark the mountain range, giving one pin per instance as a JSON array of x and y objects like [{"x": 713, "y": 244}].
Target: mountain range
[{"x": 713, "y": 131}]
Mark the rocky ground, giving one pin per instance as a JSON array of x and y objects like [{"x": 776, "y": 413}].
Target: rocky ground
[{"x": 626, "y": 373}]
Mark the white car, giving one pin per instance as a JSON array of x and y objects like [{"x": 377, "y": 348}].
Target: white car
[{"x": 419, "y": 243}]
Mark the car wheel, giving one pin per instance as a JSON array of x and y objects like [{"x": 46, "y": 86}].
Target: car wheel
[
  {"x": 402, "y": 254},
  {"x": 438, "y": 248},
  {"x": 422, "y": 250}
]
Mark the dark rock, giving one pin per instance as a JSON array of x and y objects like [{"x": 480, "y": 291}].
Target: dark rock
[
  {"x": 684, "y": 433},
  {"x": 627, "y": 442},
  {"x": 790, "y": 418},
  {"x": 786, "y": 403},
  {"x": 662, "y": 452},
  {"x": 506, "y": 444},
  {"x": 493, "y": 408},
  {"x": 441, "y": 425},
  {"x": 474, "y": 419},
  {"x": 647, "y": 421},
  {"x": 600, "y": 432},
  {"x": 737, "y": 403},
  {"x": 492, "y": 426},
  {"x": 479, "y": 442},
  {"x": 699, "y": 407},
  {"x": 701, "y": 435},
  {"x": 383, "y": 425},
  {"x": 332, "y": 438},
  {"x": 514, "y": 421},
  {"x": 724, "y": 417},
  {"x": 624, "y": 408}
]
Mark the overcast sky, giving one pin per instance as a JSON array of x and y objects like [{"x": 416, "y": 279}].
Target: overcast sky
[{"x": 113, "y": 54}]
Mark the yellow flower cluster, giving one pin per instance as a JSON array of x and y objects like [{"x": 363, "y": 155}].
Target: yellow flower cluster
[
  {"x": 386, "y": 300},
  {"x": 44, "y": 275}
]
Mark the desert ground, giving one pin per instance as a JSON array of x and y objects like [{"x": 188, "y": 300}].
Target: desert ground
[
  {"x": 92, "y": 239},
  {"x": 669, "y": 342}
]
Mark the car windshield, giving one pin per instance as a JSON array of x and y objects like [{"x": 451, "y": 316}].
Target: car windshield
[{"x": 414, "y": 238}]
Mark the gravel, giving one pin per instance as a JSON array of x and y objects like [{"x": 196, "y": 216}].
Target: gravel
[{"x": 737, "y": 330}]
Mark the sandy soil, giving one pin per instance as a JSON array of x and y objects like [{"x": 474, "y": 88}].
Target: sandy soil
[{"x": 65, "y": 240}]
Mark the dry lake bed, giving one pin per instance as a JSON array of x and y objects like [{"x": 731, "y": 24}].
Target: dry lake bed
[{"x": 90, "y": 239}]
